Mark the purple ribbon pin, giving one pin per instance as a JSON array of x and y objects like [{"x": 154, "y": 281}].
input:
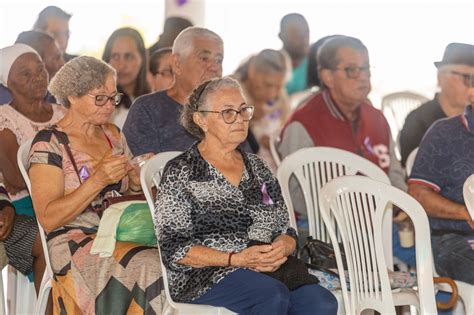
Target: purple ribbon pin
[
  {"x": 368, "y": 146},
  {"x": 266, "y": 197},
  {"x": 84, "y": 173}
]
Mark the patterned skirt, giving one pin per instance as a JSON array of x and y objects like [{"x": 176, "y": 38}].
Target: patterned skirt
[{"x": 128, "y": 282}]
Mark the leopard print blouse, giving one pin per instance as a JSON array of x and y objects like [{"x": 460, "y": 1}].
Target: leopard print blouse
[{"x": 196, "y": 205}]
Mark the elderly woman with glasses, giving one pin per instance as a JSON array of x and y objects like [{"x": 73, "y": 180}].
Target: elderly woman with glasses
[
  {"x": 73, "y": 166},
  {"x": 208, "y": 202}
]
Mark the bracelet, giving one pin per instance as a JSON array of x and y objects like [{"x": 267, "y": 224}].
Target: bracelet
[
  {"x": 133, "y": 190},
  {"x": 228, "y": 260}
]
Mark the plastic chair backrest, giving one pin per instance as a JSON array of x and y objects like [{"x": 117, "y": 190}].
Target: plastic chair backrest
[
  {"x": 468, "y": 192},
  {"x": 314, "y": 167},
  {"x": 274, "y": 141},
  {"x": 397, "y": 106},
  {"x": 40, "y": 307},
  {"x": 150, "y": 175},
  {"x": 359, "y": 204},
  {"x": 410, "y": 161}
]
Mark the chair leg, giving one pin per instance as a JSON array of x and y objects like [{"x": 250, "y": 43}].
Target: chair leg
[
  {"x": 2, "y": 297},
  {"x": 45, "y": 289}
]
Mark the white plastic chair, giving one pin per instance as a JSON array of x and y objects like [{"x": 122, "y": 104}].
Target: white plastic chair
[
  {"x": 397, "y": 106},
  {"x": 410, "y": 161},
  {"x": 357, "y": 205},
  {"x": 314, "y": 167},
  {"x": 468, "y": 193},
  {"x": 2, "y": 292},
  {"x": 42, "y": 300},
  {"x": 274, "y": 141},
  {"x": 150, "y": 175}
]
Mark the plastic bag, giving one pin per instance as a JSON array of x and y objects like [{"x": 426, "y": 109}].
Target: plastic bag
[{"x": 136, "y": 225}]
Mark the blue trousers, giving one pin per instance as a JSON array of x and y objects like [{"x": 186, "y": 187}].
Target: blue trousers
[
  {"x": 453, "y": 257},
  {"x": 249, "y": 292}
]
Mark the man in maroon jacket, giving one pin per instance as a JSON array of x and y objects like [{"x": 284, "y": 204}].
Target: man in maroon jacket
[{"x": 341, "y": 116}]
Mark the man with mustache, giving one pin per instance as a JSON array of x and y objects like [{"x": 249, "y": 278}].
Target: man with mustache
[{"x": 342, "y": 117}]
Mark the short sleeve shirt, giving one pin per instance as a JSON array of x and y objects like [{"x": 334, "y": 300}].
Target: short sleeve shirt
[{"x": 445, "y": 160}]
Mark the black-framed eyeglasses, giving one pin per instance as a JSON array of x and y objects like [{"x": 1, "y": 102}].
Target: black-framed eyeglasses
[
  {"x": 467, "y": 78},
  {"x": 229, "y": 115},
  {"x": 101, "y": 99},
  {"x": 353, "y": 72}
]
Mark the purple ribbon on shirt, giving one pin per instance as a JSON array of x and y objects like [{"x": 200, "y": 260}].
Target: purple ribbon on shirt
[
  {"x": 368, "y": 146},
  {"x": 84, "y": 173},
  {"x": 266, "y": 197}
]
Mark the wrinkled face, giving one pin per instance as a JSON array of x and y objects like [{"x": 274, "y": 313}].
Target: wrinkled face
[
  {"x": 455, "y": 82},
  {"x": 52, "y": 58},
  {"x": 59, "y": 29},
  {"x": 202, "y": 64},
  {"x": 265, "y": 86},
  {"x": 126, "y": 59},
  {"x": 28, "y": 77},
  {"x": 164, "y": 77},
  {"x": 214, "y": 125},
  {"x": 349, "y": 82},
  {"x": 86, "y": 106},
  {"x": 296, "y": 39}
]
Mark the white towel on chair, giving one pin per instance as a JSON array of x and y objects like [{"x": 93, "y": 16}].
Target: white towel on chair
[{"x": 104, "y": 243}]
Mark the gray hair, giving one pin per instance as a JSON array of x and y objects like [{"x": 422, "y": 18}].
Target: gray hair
[
  {"x": 184, "y": 43},
  {"x": 327, "y": 53},
  {"x": 198, "y": 100},
  {"x": 327, "y": 57},
  {"x": 268, "y": 60},
  {"x": 78, "y": 77}
]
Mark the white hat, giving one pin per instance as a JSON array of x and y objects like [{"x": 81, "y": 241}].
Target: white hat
[{"x": 8, "y": 55}]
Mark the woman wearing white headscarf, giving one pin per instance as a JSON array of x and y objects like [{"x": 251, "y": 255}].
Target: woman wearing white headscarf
[{"x": 23, "y": 73}]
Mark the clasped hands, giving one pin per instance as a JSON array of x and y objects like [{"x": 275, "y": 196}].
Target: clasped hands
[{"x": 265, "y": 258}]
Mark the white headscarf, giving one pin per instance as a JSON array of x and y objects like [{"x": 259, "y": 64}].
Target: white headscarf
[{"x": 8, "y": 55}]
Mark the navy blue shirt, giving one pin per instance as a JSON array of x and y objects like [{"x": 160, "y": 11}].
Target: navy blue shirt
[
  {"x": 153, "y": 125},
  {"x": 445, "y": 160}
]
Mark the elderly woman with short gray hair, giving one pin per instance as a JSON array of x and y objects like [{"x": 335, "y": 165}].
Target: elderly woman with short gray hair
[
  {"x": 73, "y": 166},
  {"x": 208, "y": 203}
]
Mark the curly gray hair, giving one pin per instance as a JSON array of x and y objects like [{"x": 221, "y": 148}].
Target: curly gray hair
[
  {"x": 198, "y": 100},
  {"x": 78, "y": 77}
]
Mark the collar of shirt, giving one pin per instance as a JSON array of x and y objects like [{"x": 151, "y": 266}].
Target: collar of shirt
[
  {"x": 467, "y": 119},
  {"x": 334, "y": 109}
]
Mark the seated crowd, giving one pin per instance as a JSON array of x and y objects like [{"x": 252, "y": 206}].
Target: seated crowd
[{"x": 220, "y": 218}]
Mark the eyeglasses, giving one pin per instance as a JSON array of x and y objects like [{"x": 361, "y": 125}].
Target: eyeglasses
[
  {"x": 353, "y": 72},
  {"x": 229, "y": 115},
  {"x": 101, "y": 100},
  {"x": 467, "y": 78},
  {"x": 165, "y": 72}
]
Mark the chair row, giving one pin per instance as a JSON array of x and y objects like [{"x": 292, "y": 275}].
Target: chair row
[{"x": 371, "y": 253}]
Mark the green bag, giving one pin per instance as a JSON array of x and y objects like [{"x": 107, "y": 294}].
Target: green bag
[{"x": 136, "y": 225}]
